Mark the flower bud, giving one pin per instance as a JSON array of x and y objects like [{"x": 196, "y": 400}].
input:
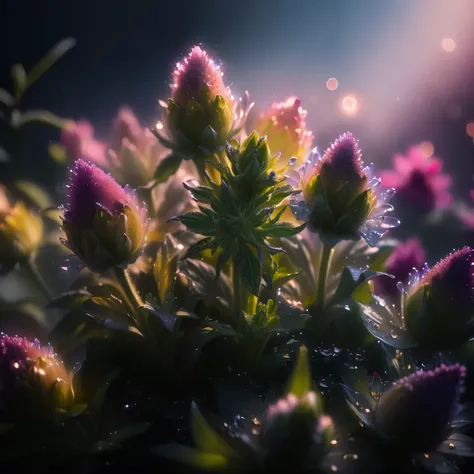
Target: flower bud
[
  {"x": 441, "y": 303},
  {"x": 415, "y": 412},
  {"x": 21, "y": 232},
  {"x": 135, "y": 152},
  {"x": 199, "y": 117},
  {"x": 103, "y": 223},
  {"x": 419, "y": 180},
  {"x": 78, "y": 140},
  {"x": 33, "y": 381},
  {"x": 295, "y": 429},
  {"x": 285, "y": 128},
  {"x": 342, "y": 199},
  {"x": 405, "y": 258}
]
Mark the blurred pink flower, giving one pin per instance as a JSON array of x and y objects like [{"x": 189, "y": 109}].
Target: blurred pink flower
[
  {"x": 79, "y": 142},
  {"x": 418, "y": 180}
]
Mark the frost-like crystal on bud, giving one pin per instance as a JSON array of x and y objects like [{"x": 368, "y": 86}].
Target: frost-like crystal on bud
[
  {"x": 419, "y": 180},
  {"x": 104, "y": 225},
  {"x": 33, "y": 381},
  {"x": 78, "y": 140},
  {"x": 405, "y": 259},
  {"x": 285, "y": 127},
  {"x": 342, "y": 198},
  {"x": 295, "y": 431},
  {"x": 415, "y": 413},
  {"x": 21, "y": 231},
  {"x": 201, "y": 115},
  {"x": 440, "y": 304}
]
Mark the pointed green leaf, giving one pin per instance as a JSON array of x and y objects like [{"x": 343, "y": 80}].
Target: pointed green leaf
[
  {"x": 196, "y": 248},
  {"x": 167, "y": 168},
  {"x": 250, "y": 269},
  {"x": 300, "y": 380},
  {"x": 51, "y": 57},
  {"x": 70, "y": 299},
  {"x": 19, "y": 80},
  {"x": 192, "y": 457},
  {"x": 205, "y": 438},
  {"x": 283, "y": 229}
]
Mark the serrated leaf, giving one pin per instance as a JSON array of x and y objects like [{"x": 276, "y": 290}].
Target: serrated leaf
[
  {"x": 195, "y": 249},
  {"x": 205, "y": 438},
  {"x": 300, "y": 380},
  {"x": 18, "y": 75},
  {"x": 283, "y": 229},
  {"x": 70, "y": 299},
  {"x": 192, "y": 457},
  {"x": 250, "y": 269},
  {"x": 198, "y": 222},
  {"x": 45, "y": 63},
  {"x": 167, "y": 168}
]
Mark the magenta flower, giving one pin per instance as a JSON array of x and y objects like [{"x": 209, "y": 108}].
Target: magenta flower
[
  {"x": 418, "y": 180},
  {"x": 79, "y": 142},
  {"x": 440, "y": 303},
  {"x": 103, "y": 222},
  {"x": 416, "y": 411},
  {"x": 406, "y": 258},
  {"x": 32, "y": 378}
]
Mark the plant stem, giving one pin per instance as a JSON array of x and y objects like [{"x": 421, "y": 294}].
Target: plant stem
[
  {"x": 323, "y": 274},
  {"x": 123, "y": 276},
  {"x": 30, "y": 266},
  {"x": 237, "y": 286}
]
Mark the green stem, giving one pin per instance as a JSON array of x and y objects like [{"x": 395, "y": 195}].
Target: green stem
[
  {"x": 323, "y": 274},
  {"x": 237, "y": 286},
  {"x": 123, "y": 276},
  {"x": 30, "y": 266}
]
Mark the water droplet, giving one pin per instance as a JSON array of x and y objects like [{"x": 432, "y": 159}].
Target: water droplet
[
  {"x": 351, "y": 457},
  {"x": 452, "y": 445},
  {"x": 333, "y": 468},
  {"x": 292, "y": 160},
  {"x": 333, "y": 442}
]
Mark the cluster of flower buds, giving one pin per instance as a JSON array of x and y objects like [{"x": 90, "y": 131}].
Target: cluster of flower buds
[
  {"x": 201, "y": 115},
  {"x": 440, "y": 303},
  {"x": 285, "y": 128},
  {"x": 104, "y": 224},
  {"x": 415, "y": 412},
  {"x": 21, "y": 231},
  {"x": 33, "y": 381},
  {"x": 342, "y": 198},
  {"x": 296, "y": 431}
]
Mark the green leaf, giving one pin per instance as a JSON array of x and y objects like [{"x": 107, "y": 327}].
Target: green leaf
[
  {"x": 19, "y": 80},
  {"x": 351, "y": 280},
  {"x": 283, "y": 229},
  {"x": 205, "y": 438},
  {"x": 58, "y": 50},
  {"x": 192, "y": 457},
  {"x": 167, "y": 168},
  {"x": 70, "y": 299},
  {"x": 250, "y": 269},
  {"x": 300, "y": 380},
  {"x": 32, "y": 194},
  {"x": 195, "y": 249},
  {"x": 41, "y": 116},
  {"x": 198, "y": 222},
  {"x": 78, "y": 409}
]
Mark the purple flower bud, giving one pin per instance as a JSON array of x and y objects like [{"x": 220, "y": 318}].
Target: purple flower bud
[
  {"x": 442, "y": 302},
  {"x": 416, "y": 411},
  {"x": 295, "y": 429},
  {"x": 33, "y": 381},
  {"x": 195, "y": 72},
  {"x": 405, "y": 258},
  {"x": 103, "y": 222}
]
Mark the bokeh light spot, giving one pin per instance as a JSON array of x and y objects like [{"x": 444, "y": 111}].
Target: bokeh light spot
[
  {"x": 159, "y": 125},
  {"x": 448, "y": 45},
  {"x": 470, "y": 129},
  {"x": 349, "y": 105},
  {"x": 332, "y": 84},
  {"x": 427, "y": 148}
]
